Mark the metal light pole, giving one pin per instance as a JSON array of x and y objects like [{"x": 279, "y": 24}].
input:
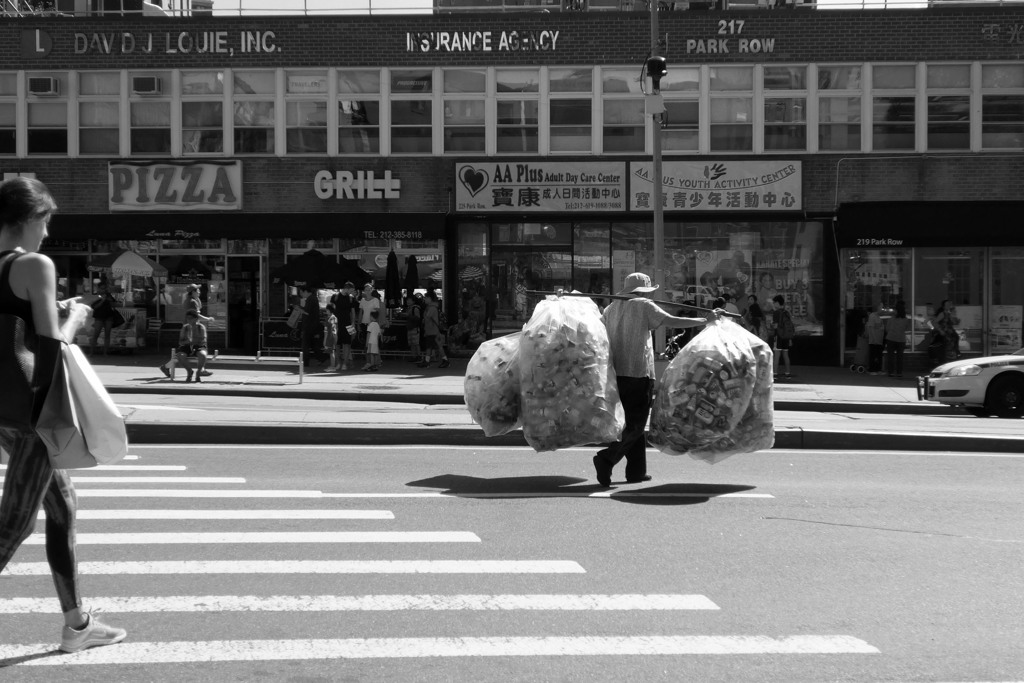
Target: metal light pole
[
  {"x": 656, "y": 68},
  {"x": 656, "y": 180}
]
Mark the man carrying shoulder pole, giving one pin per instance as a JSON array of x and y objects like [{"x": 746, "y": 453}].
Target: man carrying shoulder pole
[{"x": 629, "y": 323}]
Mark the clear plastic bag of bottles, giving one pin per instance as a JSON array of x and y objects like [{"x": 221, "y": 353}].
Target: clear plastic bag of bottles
[
  {"x": 569, "y": 394},
  {"x": 492, "y": 385},
  {"x": 715, "y": 397}
]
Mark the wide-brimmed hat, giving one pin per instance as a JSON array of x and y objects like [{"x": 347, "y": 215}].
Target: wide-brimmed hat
[
  {"x": 637, "y": 283},
  {"x": 192, "y": 287}
]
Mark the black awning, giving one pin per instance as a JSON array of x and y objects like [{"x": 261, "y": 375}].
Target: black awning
[
  {"x": 212, "y": 225},
  {"x": 894, "y": 225}
]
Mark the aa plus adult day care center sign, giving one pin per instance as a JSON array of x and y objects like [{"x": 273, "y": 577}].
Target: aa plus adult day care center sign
[{"x": 537, "y": 186}]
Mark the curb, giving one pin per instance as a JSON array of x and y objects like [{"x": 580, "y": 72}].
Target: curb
[
  {"x": 787, "y": 438},
  {"x": 922, "y": 408}
]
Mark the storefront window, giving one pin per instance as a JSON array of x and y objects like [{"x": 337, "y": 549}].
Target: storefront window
[
  {"x": 476, "y": 302},
  {"x": 874, "y": 277},
  {"x": 954, "y": 276},
  {"x": 527, "y": 257},
  {"x": 299, "y": 245},
  {"x": 1006, "y": 306},
  {"x": 591, "y": 260}
]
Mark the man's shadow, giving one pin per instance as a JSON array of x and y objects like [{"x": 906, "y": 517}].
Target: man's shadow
[{"x": 557, "y": 486}]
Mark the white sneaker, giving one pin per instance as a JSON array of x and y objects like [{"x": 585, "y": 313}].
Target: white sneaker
[{"x": 93, "y": 634}]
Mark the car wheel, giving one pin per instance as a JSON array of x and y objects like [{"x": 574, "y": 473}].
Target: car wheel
[
  {"x": 979, "y": 412},
  {"x": 1005, "y": 397}
]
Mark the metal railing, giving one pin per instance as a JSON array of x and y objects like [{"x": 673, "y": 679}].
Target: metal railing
[{"x": 185, "y": 8}]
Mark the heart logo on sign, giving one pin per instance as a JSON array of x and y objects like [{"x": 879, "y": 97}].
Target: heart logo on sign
[{"x": 473, "y": 180}]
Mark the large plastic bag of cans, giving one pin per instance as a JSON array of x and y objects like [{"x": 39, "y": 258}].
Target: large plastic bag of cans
[
  {"x": 569, "y": 394},
  {"x": 492, "y": 385},
  {"x": 715, "y": 397}
]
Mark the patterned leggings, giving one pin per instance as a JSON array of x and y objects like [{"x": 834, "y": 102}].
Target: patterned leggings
[{"x": 29, "y": 484}]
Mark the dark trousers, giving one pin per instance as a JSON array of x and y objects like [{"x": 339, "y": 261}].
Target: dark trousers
[
  {"x": 636, "y": 394},
  {"x": 29, "y": 484},
  {"x": 875, "y": 352},
  {"x": 896, "y": 350}
]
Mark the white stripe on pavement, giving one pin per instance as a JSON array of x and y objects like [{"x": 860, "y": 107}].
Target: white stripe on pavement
[
  {"x": 92, "y": 479},
  {"x": 309, "y": 567},
  {"x": 552, "y": 494},
  {"x": 216, "y": 537},
  {"x": 435, "y": 495},
  {"x": 231, "y": 514},
  {"x": 198, "y": 493},
  {"x": 366, "y": 603},
  {"x": 387, "y": 648},
  {"x": 127, "y": 468}
]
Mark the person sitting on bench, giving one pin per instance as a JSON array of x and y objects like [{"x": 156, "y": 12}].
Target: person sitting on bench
[{"x": 192, "y": 344}]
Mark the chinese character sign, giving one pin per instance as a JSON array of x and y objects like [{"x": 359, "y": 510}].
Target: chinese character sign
[
  {"x": 517, "y": 187},
  {"x": 719, "y": 186}
]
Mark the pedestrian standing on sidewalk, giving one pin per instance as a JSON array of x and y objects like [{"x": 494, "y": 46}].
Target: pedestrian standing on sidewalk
[
  {"x": 945, "y": 323},
  {"x": 28, "y": 287},
  {"x": 345, "y": 309},
  {"x": 103, "y": 314},
  {"x": 782, "y": 333},
  {"x": 367, "y": 305},
  {"x": 875, "y": 328},
  {"x": 331, "y": 337},
  {"x": 373, "y": 333},
  {"x": 629, "y": 324},
  {"x": 433, "y": 335},
  {"x": 413, "y": 323},
  {"x": 896, "y": 330}
]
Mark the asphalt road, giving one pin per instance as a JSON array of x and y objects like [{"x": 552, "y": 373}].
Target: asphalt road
[{"x": 427, "y": 563}]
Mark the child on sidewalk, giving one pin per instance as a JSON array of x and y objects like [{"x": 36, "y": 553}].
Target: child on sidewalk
[{"x": 373, "y": 343}]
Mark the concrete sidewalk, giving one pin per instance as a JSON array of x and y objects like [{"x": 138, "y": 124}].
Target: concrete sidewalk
[
  {"x": 810, "y": 388},
  {"x": 827, "y": 408}
]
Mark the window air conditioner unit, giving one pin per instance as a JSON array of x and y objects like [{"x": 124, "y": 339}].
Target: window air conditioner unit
[
  {"x": 43, "y": 86},
  {"x": 146, "y": 85}
]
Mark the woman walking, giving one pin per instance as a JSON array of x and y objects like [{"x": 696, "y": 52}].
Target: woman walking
[{"x": 28, "y": 290}]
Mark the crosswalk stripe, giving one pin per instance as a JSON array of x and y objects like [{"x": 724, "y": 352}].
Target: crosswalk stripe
[
  {"x": 93, "y": 479},
  {"x": 199, "y": 493},
  {"x": 217, "y": 537},
  {"x": 552, "y": 494},
  {"x": 164, "y": 567},
  {"x": 131, "y": 468},
  {"x": 366, "y": 603},
  {"x": 376, "y": 648},
  {"x": 231, "y": 514},
  {"x": 436, "y": 495}
]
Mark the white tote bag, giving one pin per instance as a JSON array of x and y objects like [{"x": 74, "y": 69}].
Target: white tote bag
[{"x": 79, "y": 422}]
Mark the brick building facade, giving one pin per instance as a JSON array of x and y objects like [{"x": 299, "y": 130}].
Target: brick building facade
[{"x": 904, "y": 130}]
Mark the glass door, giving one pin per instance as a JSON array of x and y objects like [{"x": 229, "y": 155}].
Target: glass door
[
  {"x": 954, "y": 277},
  {"x": 243, "y": 303},
  {"x": 1006, "y": 300}
]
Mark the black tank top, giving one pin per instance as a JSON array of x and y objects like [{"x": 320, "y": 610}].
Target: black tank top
[{"x": 9, "y": 303}]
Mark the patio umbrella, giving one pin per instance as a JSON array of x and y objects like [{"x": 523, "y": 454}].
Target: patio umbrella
[
  {"x": 392, "y": 283},
  {"x": 471, "y": 273},
  {"x": 412, "y": 276},
  {"x": 126, "y": 262},
  {"x": 187, "y": 266},
  {"x": 316, "y": 269},
  {"x": 345, "y": 270}
]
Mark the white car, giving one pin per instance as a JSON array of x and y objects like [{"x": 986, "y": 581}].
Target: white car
[{"x": 992, "y": 385}]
